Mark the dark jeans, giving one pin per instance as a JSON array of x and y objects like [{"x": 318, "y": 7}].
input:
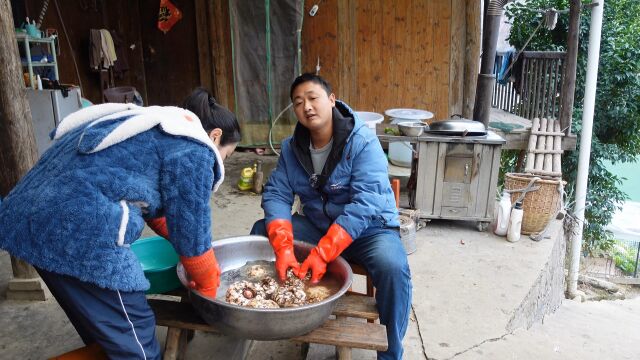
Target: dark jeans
[
  {"x": 382, "y": 254},
  {"x": 122, "y": 323}
]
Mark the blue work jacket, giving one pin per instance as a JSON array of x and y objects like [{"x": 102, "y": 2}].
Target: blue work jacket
[{"x": 353, "y": 189}]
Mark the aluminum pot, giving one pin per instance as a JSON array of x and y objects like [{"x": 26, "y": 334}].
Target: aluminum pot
[
  {"x": 264, "y": 324},
  {"x": 411, "y": 128},
  {"x": 457, "y": 127}
]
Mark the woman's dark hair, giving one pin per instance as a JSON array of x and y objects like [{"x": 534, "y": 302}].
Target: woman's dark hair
[
  {"x": 317, "y": 79},
  {"x": 212, "y": 115}
]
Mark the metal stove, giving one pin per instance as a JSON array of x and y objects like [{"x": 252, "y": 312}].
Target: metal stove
[{"x": 454, "y": 173}]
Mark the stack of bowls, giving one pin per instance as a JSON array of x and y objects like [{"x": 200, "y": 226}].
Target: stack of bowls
[{"x": 401, "y": 152}]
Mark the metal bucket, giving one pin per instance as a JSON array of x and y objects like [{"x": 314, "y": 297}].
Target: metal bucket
[
  {"x": 264, "y": 324},
  {"x": 408, "y": 234}
]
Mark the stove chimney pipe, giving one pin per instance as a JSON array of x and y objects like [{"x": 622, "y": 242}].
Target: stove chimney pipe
[{"x": 486, "y": 78}]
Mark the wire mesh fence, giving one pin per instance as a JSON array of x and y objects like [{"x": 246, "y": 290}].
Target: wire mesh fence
[{"x": 621, "y": 261}]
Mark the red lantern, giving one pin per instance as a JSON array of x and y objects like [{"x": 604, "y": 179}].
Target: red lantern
[{"x": 168, "y": 15}]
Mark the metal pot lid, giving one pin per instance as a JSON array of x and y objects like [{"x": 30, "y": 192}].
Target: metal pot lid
[
  {"x": 409, "y": 114},
  {"x": 458, "y": 126}
]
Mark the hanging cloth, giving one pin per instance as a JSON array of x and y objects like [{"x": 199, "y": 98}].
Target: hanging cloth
[
  {"x": 503, "y": 72},
  {"x": 95, "y": 49},
  {"x": 108, "y": 49},
  {"x": 102, "y": 53}
]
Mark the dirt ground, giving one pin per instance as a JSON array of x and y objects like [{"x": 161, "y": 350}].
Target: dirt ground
[{"x": 596, "y": 294}]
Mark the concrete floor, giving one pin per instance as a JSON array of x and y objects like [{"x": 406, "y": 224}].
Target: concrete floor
[{"x": 468, "y": 286}]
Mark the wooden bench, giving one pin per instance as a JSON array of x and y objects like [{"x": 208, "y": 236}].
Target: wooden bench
[{"x": 345, "y": 334}]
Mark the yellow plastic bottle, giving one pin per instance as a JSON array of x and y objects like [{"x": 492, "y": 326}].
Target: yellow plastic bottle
[{"x": 246, "y": 179}]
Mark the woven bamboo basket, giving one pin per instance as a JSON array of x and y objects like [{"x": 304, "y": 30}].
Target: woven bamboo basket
[{"x": 539, "y": 206}]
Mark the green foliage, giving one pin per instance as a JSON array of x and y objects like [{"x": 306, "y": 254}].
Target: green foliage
[
  {"x": 616, "y": 124},
  {"x": 625, "y": 258},
  {"x": 508, "y": 161}
]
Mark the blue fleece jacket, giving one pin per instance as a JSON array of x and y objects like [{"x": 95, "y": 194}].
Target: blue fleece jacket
[{"x": 78, "y": 209}]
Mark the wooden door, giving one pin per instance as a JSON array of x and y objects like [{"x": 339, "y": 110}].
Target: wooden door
[{"x": 171, "y": 59}]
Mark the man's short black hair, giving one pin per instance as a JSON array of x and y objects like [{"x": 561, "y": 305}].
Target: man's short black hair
[{"x": 310, "y": 77}]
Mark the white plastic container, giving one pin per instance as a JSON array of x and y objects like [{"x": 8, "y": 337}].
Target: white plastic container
[
  {"x": 504, "y": 212},
  {"x": 515, "y": 223},
  {"x": 401, "y": 152},
  {"x": 370, "y": 118}
]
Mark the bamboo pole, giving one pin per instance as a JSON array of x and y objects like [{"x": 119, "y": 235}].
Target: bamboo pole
[
  {"x": 548, "y": 165},
  {"x": 557, "y": 145},
  {"x": 542, "y": 141},
  {"x": 531, "y": 157}
]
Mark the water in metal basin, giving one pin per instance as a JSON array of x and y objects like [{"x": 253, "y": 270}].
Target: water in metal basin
[{"x": 268, "y": 269}]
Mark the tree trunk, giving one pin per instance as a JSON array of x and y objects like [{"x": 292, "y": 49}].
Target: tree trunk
[{"x": 17, "y": 144}]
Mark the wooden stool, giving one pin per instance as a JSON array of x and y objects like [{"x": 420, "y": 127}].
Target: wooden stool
[
  {"x": 360, "y": 270},
  {"x": 344, "y": 334},
  {"x": 89, "y": 352}
]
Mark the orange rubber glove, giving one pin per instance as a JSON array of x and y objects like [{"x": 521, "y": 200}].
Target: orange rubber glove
[
  {"x": 280, "y": 233},
  {"x": 328, "y": 249},
  {"x": 204, "y": 273},
  {"x": 159, "y": 226}
]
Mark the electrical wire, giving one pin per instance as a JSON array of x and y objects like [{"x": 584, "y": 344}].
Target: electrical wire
[
  {"x": 271, "y": 129},
  {"x": 66, "y": 35}
]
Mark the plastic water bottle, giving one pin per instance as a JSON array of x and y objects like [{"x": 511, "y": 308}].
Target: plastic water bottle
[
  {"x": 504, "y": 211},
  {"x": 515, "y": 223}
]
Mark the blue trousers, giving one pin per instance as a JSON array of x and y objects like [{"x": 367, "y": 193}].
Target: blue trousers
[
  {"x": 381, "y": 252},
  {"x": 122, "y": 323}
]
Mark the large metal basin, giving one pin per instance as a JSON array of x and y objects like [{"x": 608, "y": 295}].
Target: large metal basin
[{"x": 264, "y": 324}]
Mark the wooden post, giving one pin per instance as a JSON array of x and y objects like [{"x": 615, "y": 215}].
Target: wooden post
[
  {"x": 472, "y": 57},
  {"x": 347, "y": 50},
  {"x": 204, "y": 48},
  {"x": 343, "y": 352},
  {"x": 220, "y": 40},
  {"x": 17, "y": 145},
  {"x": 570, "y": 65},
  {"x": 457, "y": 57}
]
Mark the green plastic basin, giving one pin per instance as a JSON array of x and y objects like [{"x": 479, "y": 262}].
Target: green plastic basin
[{"x": 159, "y": 260}]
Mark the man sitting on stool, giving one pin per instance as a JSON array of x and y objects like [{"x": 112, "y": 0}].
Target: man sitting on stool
[{"x": 336, "y": 165}]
